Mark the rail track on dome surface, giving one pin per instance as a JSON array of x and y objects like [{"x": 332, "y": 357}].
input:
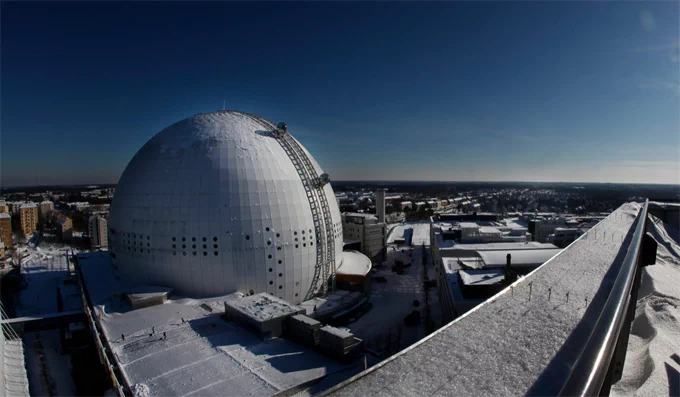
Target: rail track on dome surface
[{"x": 313, "y": 184}]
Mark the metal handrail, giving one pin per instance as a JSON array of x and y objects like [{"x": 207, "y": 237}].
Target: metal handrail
[{"x": 590, "y": 374}]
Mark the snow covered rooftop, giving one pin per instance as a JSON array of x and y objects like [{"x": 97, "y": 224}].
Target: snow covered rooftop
[
  {"x": 4, "y": 215},
  {"x": 468, "y": 225},
  {"x": 532, "y": 245},
  {"x": 29, "y": 205},
  {"x": 340, "y": 333},
  {"x": 354, "y": 263},
  {"x": 489, "y": 230},
  {"x": 481, "y": 277},
  {"x": 186, "y": 347},
  {"x": 517, "y": 257},
  {"x": 452, "y": 265},
  {"x": 360, "y": 215},
  {"x": 333, "y": 305},
  {"x": 502, "y": 346},
  {"x": 264, "y": 307}
]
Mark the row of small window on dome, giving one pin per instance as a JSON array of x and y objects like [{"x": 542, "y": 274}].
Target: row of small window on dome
[{"x": 194, "y": 239}]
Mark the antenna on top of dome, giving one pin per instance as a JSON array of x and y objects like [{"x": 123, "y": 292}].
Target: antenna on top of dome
[{"x": 224, "y": 104}]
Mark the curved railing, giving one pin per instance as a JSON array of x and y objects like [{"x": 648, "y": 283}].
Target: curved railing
[{"x": 599, "y": 353}]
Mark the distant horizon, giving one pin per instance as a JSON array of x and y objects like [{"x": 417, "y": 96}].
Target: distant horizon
[
  {"x": 471, "y": 91},
  {"x": 375, "y": 182}
]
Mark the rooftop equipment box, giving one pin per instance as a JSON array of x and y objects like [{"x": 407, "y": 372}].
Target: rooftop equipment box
[{"x": 264, "y": 312}]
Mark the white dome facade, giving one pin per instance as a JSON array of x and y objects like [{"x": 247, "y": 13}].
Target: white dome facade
[{"x": 214, "y": 204}]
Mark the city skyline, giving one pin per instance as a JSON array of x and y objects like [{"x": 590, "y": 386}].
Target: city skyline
[{"x": 543, "y": 92}]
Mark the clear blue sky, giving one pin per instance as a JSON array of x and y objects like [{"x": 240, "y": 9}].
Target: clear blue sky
[{"x": 537, "y": 91}]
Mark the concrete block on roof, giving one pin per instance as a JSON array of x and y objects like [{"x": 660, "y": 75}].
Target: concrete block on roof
[
  {"x": 263, "y": 312},
  {"x": 304, "y": 330}
]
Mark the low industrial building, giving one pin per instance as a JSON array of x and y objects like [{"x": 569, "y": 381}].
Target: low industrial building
[
  {"x": 479, "y": 246},
  {"x": 563, "y": 236},
  {"x": 466, "y": 281},
  {"x": 542, "y": 228},
  {"x": 263, "y": 312}
]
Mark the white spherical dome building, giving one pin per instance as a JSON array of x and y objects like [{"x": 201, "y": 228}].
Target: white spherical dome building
[{"x": 224, "y": 202}]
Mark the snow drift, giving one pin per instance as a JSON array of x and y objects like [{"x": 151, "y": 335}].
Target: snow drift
[{"x": 652, "y": 366}]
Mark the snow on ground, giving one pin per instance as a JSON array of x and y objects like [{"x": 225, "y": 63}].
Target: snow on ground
[
  {"x": 44, "y": 268},
  {"x": 504, "y": 345},
  {"x": 140, "y": 390},
  {"x": 415, "y": 233},
  {"x": 43, "y": 271},
  {"x": 398, "y": 232},
  {"x": 393, "y": 300},
  {"x": 652, "y": 366},
  {"x": 421, "y": 234}
]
